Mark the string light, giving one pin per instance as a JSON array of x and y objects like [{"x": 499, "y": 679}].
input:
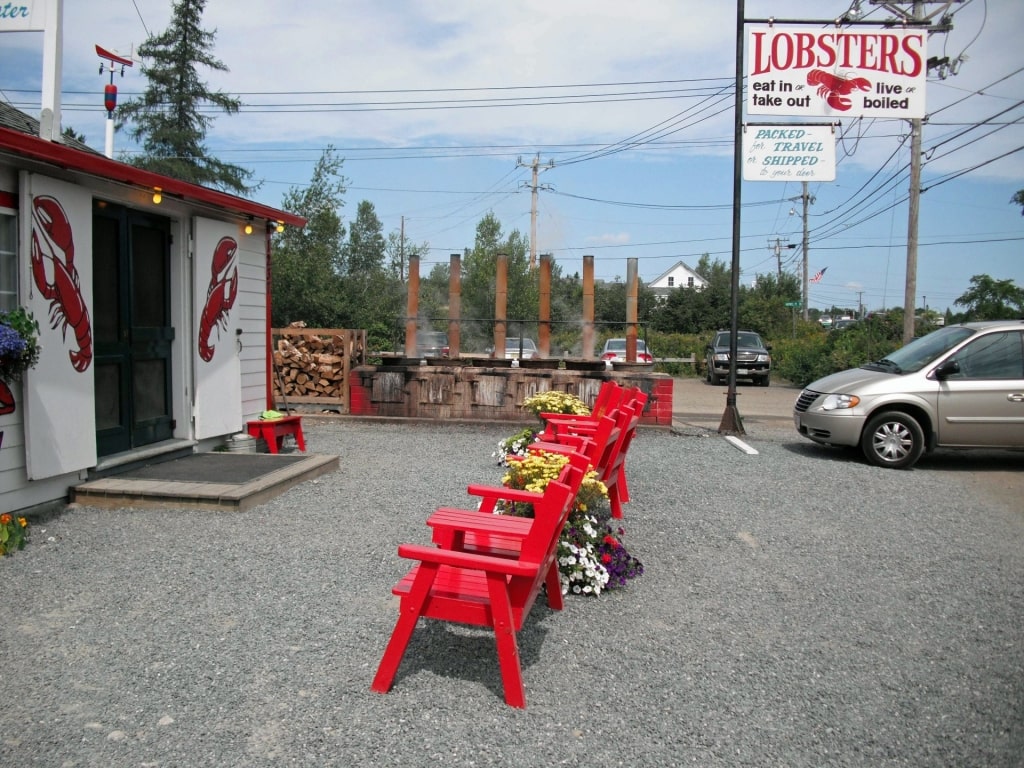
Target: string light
[{"x": 157, "y": 195}]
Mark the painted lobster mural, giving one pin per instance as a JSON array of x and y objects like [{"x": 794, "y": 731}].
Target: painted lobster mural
[
  {"x": 7, "y": 404},
  {"x": 220, "y": 296},
  {"x": 835, "y": 89},
  {"x": 53, "y": 269}
]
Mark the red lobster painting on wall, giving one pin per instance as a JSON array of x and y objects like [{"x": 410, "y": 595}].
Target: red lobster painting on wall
[
  {"x": 54, "y": 273},
  {"x": 7, "y": 404},
  {"x": 834, "y": 89},
  {"x": 220, "y": 296}
]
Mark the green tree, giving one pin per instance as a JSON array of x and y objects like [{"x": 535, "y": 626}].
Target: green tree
[
  {"x": 169, "y": 119},
  {"x": 479, "y": 271},
  {"x": 366, "y": 244},
  {"x": 306, "y": 263},
  {"x": 991, "y": 299},
  {"x": 373, "y": 297},
  {"x": 610, "y": 299},
  {"x": 1018, "y": 199},
  {"x": 763, "y": 306},
  {"x": 433, "y": 301},
  {"x": 698, "y": 310},
  {"x": 398, "y": 249}
]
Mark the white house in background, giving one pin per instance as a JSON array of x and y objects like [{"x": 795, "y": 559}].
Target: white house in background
[{"x": 678, "y": 276}]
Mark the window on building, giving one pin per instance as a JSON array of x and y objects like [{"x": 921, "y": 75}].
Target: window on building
[
  {"x": 8, "y": 260},
  {"x": 689, "y": 282},
  {"x": 671, "y": 282}
]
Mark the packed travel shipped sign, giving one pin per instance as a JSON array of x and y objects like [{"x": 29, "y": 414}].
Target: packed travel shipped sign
[
  {"x": 789, "y": 153},
  {"x": 836, "y": 73}
]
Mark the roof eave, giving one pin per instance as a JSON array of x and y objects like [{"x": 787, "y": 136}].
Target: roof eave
[{"x": 103, "y": 167}]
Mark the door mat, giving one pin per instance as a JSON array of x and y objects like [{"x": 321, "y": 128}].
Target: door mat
[{"x": 215, "y": 467}]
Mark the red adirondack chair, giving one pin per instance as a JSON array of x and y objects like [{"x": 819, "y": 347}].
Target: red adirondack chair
[
  {"x": 485, "y": 590},
  {"x": 505, "y": 540},
  {"x": 612, "y": 468},
  {"x": 608, "y": 398}
]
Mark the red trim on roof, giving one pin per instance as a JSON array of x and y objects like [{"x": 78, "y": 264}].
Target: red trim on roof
[{"x": 103, "y": 167}]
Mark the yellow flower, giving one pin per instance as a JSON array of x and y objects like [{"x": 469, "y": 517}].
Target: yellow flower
[{"x": 23, "y": 522}]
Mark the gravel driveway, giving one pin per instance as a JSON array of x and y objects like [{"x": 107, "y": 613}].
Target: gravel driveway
[{"x": 799, "y": 608}]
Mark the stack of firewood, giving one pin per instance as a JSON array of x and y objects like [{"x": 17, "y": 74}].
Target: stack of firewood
[{"x": 311, "y": 362}]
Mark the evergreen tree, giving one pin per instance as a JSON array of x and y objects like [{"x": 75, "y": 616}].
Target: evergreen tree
[
  {"x": 366, "y": 244},
  {"x": 373, "y": 297},
  {"x": 169, "y": 120},
  {"x": 479, "y": 274}
]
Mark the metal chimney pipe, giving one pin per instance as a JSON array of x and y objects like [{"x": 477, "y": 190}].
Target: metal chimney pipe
[
  {"x": 544, "y": 329},
  {"x": 412, "y": 305},
  {"x": 632, "y": 291},
  {"x": 454, "y": 305},
  {"x": 500, "y": 304},
  {"x": 588, "y": 307}
]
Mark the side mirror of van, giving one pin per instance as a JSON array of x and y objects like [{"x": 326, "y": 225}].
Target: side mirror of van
[{"x": 949, "y": 368}]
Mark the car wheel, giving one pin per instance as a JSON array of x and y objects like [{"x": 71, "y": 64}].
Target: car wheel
[
  {"x": 892, "y": 439},
  {"x": 714, "y": 379},
  {"x": 764, "y": 381}
]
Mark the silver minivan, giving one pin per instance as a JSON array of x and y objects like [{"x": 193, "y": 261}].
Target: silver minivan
[{"x": 961, "y": 386}]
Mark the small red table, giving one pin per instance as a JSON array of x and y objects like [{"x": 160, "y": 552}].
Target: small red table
[{"x": 274, "y": 431}]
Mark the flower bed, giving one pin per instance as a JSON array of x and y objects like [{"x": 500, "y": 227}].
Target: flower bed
[
  {"x": 591, "y": 555},
  {"x": 13, "y": 533}
]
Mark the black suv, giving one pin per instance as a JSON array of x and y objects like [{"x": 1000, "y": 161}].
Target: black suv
[{"x": 752, "y": 358}]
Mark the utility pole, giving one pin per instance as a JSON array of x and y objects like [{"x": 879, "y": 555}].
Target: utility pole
[
  {"x": 806, "y": 244},
  {"x": 534, "y": 187},
  {"x": 807, "y": 199},
  {"x": 776, "y": 248},
  {"x": 401, "y": 252},
  {"x": 915, "y": 14}
]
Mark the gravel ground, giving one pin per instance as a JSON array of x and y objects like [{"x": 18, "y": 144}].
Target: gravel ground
[{"x": 799, "y": 608}]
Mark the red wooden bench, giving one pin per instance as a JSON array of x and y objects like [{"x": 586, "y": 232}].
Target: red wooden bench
[
  {"x": 485, "y": 590},
  {"x": 275, "y": 430}
]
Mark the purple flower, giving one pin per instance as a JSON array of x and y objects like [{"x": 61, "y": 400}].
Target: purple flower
[{"x": 11, "y": 342}]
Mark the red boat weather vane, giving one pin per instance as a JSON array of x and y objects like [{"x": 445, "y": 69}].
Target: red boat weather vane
[{"x": 117, "y": 62}]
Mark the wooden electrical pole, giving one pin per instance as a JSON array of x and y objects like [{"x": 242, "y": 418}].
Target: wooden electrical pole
[
  {"x": 534, "y": 187},
  {"x": 777, "y": 250},
  {"x": 915, "y": 14},
  {"x": 806, "y": 245}
]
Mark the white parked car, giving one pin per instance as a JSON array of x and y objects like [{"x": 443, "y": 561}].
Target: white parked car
[
  {"x": 615, "y": 351},
  {"x": 513, "y": 344}
]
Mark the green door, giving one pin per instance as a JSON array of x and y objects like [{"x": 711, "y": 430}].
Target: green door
[{"x": 132, "y": 328}]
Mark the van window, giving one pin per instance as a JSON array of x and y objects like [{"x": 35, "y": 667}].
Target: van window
[{"x": 993, "y": 356}]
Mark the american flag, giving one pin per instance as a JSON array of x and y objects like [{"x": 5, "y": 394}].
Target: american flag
[{"x": 818, "y": 275}]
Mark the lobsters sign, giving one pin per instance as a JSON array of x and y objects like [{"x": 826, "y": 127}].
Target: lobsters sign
[{"x": 836, "y": 73}]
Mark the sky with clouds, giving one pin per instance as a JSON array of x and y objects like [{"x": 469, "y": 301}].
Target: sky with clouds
[{"x": 439, "y": 109}]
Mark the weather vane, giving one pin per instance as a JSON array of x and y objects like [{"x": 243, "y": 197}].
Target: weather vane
[{"x": 117, "y": 61}]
